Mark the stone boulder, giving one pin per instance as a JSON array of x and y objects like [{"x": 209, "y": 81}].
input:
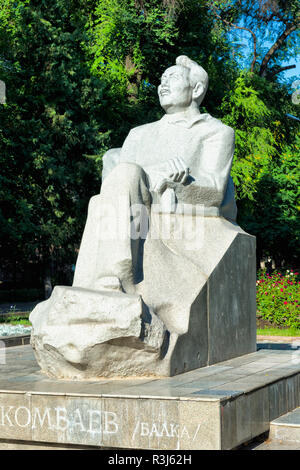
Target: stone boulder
[{"x": 83, "y": 334}]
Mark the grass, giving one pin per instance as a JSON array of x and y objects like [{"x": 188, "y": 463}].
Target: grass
[
  {"x": 278, "y": 332},
  {"x": 21, "y": 319}
]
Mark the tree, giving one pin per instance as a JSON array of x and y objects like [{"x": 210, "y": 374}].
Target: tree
[
  {"x": 266, "y": 165},
  {"x": 272, "y": 22},
  {"x": 132, "y": 42},
  {"x": 80, "y": 73},
  {"x": 256, "y": 108},
  {"x": 274, "y": 215},
  {"x": 51, "y": 121}
]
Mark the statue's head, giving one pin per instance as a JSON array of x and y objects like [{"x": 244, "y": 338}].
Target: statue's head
[{"x": 182, "y": 85}]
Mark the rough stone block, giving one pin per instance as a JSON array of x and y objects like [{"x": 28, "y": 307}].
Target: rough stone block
[{"x": 80, "y": 333}]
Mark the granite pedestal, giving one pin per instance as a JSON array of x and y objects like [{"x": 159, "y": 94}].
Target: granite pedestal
[{"x": 215, "y": 407}]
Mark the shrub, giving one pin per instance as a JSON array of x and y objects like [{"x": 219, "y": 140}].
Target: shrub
[
  {"x": 278, "y": 296},
  {"x": 15, "y": 319}
]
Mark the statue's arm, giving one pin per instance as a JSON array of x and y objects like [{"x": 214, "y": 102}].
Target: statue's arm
[
  {"x": 126, "y": 153},
  {"x": 174, "y": 168},
  {"x": 110, "y": 159},
  {"x": 210, "y": 170}
]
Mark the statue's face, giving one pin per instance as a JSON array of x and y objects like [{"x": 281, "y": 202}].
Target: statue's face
[{"x": 175, "y": 92}]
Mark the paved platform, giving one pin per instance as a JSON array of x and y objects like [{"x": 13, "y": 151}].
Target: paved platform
[
  {"x": 18, "y": 340},
  {"x": 286, "y": 428},
  {"x": 216, "y": 407}
]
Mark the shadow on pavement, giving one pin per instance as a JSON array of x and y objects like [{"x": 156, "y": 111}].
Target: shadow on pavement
[{"x": 295, "y": 345}]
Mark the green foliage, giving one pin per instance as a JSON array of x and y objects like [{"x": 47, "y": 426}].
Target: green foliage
[
  {"x": 261, "y": 23},
  {"x": 80, "y": 74},
  {"x": 15, "y": 320},
  {"x": 52, "y": 119},
  {"x": 126, "y": 36},
  {"x": 274, "y": 215},
  {"x": 278, "y": 298},
  {"x": 266, "y": 164},
  {"x": 245, "y": 111},
  {"x": 132, "y": 42}
]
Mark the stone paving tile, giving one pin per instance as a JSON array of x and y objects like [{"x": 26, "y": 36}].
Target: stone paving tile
[
  {"x": 235, "y": 374},
  {"x": 246, "y": 359},
  {"x": 193, "y": 375},
  {"x": 255, "y": 368},
  {"x": 204, "y": 383},
  {"x": 12, "y": 376},
  {"x": 273, "y": 358},
  {"x": 293, "y": 417},
  {"x": 275, "y": 445},
  {"x": 221, "y": 393}
]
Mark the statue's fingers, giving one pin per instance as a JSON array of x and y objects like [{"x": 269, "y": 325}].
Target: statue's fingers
[
  {"x": 177, "y": 176},
  {"x": 173, "y": 173},
  {"x": 184, "y": 170},
  {"x": 185, "y": 176},
  {"x": 181, "y": 176},
  {"x": 182, "y": 164}
]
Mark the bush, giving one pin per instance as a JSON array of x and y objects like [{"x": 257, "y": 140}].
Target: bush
[
  {"x": 15, "y": 319},
  {"x": 277, "y": 297}
]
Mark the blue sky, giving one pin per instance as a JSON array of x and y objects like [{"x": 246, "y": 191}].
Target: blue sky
[{"x": 244, "y": 39}]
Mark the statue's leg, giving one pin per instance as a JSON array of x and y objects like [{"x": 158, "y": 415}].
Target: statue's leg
[{"x": 110, "y": 255}]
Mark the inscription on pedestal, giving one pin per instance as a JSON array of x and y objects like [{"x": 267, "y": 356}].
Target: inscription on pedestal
[
  {"x": 93, "y": 421},
  {"x": 108, "y": 422}
]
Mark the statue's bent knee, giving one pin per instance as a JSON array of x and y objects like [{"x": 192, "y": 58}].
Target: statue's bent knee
[
  {"x": 124, "y": 175},
  {"x": 131, "y": 170}
]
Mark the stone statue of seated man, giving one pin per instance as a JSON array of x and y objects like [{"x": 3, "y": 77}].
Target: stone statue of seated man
[
  {"x": 165, "y": 278},
  {"x": 184, "y": 158}
]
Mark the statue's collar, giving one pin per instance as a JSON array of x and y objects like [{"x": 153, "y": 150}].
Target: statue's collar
[{"x": 181, "y": 119}]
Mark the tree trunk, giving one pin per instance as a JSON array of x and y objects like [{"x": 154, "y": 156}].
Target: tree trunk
[
  {"x": 47, "y": 278},
  {"x": 288, "y": 30},
  {"x": 47, "y": 287},
  {"x": 134, "y": 78}
]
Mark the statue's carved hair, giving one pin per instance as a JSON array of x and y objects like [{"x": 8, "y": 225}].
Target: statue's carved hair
[{"x": 197, "y": 73}]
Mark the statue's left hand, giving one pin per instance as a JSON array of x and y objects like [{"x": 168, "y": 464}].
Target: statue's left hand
[
  {"x": 178, "y": 171},
  {"x": 164, "y": 184}
]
